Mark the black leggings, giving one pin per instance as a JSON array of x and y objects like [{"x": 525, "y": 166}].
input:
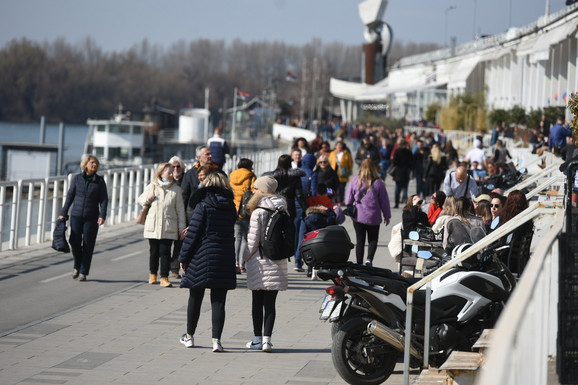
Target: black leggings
[
  {"x": 372, "y": 232},
  {"x": 218, "y": 298},
  {"x": 263, "y": 300}
]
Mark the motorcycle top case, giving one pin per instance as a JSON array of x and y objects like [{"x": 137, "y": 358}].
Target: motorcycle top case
[{"x": 327, "y": 247}]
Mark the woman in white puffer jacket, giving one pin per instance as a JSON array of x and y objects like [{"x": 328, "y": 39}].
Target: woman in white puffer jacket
[{"x": 265, "y": 277}]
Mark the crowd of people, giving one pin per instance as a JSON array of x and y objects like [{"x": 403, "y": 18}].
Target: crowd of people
[{"x": 197, "y": 232}]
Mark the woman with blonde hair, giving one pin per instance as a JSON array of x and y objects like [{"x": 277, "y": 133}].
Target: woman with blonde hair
[
  {"x": 449, "y": 210},
  {"x": 208, "y": 255},
  {"x": 435, "y": 170},
  {"x": 403, "y": 162},
  {"x": 341, "y": 161},
  {"x": 165, "y": 221},
  {"x": 368, "y": 194},
  {"x": 90, "y": 197}
]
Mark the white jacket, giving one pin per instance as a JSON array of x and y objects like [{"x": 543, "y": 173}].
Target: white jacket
[
  {"x": 264, "y": 273},
  {"x": 166, "y": 216}
]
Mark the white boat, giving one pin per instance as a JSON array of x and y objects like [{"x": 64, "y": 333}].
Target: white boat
[
  {"x": 117, "y": 141},
  {"x": 122, "y": 142}
]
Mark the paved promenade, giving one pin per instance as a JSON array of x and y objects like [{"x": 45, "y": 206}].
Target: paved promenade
[{"x": 132, "y": 336}]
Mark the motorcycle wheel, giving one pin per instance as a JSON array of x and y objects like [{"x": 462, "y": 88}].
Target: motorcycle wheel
[{"x": 359, "y": 357}]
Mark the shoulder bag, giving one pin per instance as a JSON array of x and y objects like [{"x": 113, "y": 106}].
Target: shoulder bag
[{"x": 141, "y": 219}]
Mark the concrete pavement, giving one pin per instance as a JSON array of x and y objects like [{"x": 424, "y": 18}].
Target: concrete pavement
[{"x": 132, "y": 336}]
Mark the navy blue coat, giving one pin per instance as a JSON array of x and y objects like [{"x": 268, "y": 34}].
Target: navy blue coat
[
  {"x": 90, "y": 202},
  {"x": 208, "y": 250}
]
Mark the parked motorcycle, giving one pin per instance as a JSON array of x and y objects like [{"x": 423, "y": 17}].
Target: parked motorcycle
[{"x": 367, "y": 305}]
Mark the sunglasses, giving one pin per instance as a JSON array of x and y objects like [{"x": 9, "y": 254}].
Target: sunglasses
[
  {"x": 419, "y": 202},
  {"x": 495, "y": 206},
  {"x": 177, "y": 166}
]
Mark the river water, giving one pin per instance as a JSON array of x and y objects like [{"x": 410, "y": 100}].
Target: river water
[{"x": 74, "y": 137}]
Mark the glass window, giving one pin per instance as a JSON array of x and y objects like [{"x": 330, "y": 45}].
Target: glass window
[
  {"x": 101, "y": 128},
  {"x": 99, "y": 151},
  {"x": 137, "y": 130},
  {"x": 119, "y": 129},
  {"x": 118, "y": 152},
  {"x": 136, "y": 151}
]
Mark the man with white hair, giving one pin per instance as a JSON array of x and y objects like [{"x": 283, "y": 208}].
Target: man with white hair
[{"x": 477, "y": 154}]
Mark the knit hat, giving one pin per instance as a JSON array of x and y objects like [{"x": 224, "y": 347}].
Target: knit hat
[{"x": 266, "y": 184}]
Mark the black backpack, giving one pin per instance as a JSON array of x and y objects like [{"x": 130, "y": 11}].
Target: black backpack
[
  {"x": 247, "y": 195},
  {"x": 279, "y": 241}
]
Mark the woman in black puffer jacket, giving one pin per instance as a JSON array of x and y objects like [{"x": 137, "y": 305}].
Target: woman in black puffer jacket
[{"x": 208, "y": 255}]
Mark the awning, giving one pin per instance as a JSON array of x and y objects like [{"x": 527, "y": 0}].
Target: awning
[
  {"x": 404, "y": 80},
  {"x": 346, "y": 90},
  {"x": 463, "y": 69},
  {"x": 541, "y": 49}
]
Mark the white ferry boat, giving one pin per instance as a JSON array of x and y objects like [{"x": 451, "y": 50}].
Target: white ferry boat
[
  {"x": 122, "y": 142},
  {"x": 118, "y": 141}
]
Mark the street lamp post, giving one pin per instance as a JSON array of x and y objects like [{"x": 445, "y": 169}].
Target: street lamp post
[{"x": 446, "y": 25}]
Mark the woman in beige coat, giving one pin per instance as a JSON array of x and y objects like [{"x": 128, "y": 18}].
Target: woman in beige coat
[
  {"x": 165, "y": 221},
  {"x": 265, "y": 277}
]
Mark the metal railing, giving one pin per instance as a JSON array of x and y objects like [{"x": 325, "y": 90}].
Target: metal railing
[
  {"x": 525, "y": 335},
  {"x": 530, "y": 213},
  {"x": 29, "y": 208}
]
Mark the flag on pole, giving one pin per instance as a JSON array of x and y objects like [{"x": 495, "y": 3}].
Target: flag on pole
[
  {"x": 243, "y": 95},
  {"x": 290, "y": 77}
]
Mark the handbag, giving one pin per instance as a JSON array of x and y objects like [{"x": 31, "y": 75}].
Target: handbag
[
  {"x": 391, "y": 170},
  {"x": 344, "y": 172},
  {"x": 141, "y": 219},
  {"x": 350, "y": 210},
  {"x": 426, "y": 234}
]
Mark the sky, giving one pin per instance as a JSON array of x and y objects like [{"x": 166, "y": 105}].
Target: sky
[{"x": 118, "y": 25}]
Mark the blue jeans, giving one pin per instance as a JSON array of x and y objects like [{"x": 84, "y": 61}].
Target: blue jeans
[
  {"x": 399, "y": 189},
  {"x": 241, "y": 230},
  {"x": 420, "y": 185},
  {"x": 82, "y": 240},
  {"x": 299, "y": 233}
]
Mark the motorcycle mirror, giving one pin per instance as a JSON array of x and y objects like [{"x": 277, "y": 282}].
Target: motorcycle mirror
[
  {"x": 523, "y": 170},
  {"x": 495, "y": 223},
  {"x": 490, "y": 187},
  {"x": 509, "y": 238},
  {"x": 414, "y": 235},
  {"x": 414, "y": 249},
  {"x": 520, "y": 161},
  {"x": 424, "y": 254}
]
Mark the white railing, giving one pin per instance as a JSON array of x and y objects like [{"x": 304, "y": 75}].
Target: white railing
[
  {"x": 525, "y": 335},
  {"x": 29, "y": 208},
  {"x": 530, "y": 213}
]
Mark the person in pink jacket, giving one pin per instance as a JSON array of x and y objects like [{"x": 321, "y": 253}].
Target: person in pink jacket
[{"x": 265, "y": 277}]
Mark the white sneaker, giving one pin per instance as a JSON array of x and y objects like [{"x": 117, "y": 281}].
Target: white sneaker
[
  {"x": 217, "y": 347},
  {"x": 314, "y": 275},
  {"x": 189, "y": 342},
  {"x": 255, "y": 344},
  {"x": 267, "y": 347}
]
